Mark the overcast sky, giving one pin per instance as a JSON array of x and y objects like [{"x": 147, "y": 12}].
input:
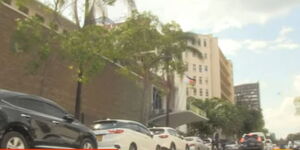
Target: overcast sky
[{"x": 261, "y": 37}]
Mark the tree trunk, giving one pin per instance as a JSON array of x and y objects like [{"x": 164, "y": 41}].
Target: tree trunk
[
  {"x": 169, "y": 97},
  {"x": 78, "y": 96},
  {"x": 146, "y": 100}
]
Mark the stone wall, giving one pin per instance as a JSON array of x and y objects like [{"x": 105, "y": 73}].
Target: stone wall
[{"x": 108, "y": 95}]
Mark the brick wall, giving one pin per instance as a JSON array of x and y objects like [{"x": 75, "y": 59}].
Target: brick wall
[{"x": 108, "y": 95}]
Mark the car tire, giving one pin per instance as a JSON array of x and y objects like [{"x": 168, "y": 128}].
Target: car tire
[
  {"x": 157, "y": 147},
  {"x": 172, "y": 147},
  {"x": 14, "y": 140},
  {"x": 87, "y": 144},
  {"x": 187, "y": 147},
  {"x": 132, "y": 147}
]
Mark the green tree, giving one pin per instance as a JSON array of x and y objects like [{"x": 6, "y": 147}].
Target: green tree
[
  {"x": 83, "y": 47},
  {"x": 232, "y": 119},
  {"x": 135, "y": 43}
]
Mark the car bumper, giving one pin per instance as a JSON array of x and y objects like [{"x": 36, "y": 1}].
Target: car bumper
[
  {"x": 193, "y": 148},
  {"x": 252, "y": 148},
  {"x": 110, "y": 145}
]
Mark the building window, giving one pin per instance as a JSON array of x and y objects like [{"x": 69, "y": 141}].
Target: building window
[
  {"x": 206, "y": 92},
  {"x": 193, "y": 41},
  {"x": 200, "y": 68},
  {"x": 194, "y": 67},
  {"x": 200, "y": 92},
  {"x": 195, "y": 91},
  {"x": 205, "y": 44},
  {"x": 7, "y": 1},
  {"x": 199, "y": 42},
  {"x": 40, "y": 18},
  {"x": 206, "y": 68},
  {"x": 195, "y": 78},
  {"x": 157, "y": 99},
  {"x": 24, "y": 9},
  {"x": 200, "y": 80},
  {"x": 206, "y": 81}
]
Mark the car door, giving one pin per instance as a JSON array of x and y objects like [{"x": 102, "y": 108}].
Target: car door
[
  {"x": 148, "y": 142},
  {"x": 33, "y": 112},
  {"x": 177, "y": 139},
  {"x": 201, "y": 144},
  {"x": 67, "y": 131}
]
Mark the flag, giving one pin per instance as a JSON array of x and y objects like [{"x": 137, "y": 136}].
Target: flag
[{"x": 191, "y": 81}]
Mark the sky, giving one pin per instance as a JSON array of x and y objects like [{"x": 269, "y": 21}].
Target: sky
[{"x": 260, "y": 37}]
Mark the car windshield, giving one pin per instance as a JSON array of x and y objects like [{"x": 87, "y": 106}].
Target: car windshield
[
  {"x": 157, "y": 131},
  {"x": 108, "y": 125},
  {"x": 189, "y": 139},
  {"x": 250, "y": 136}
]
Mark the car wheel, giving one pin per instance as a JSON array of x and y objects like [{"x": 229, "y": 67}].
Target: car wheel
[
  {"x": 173, "y": 147},
  {"x": 132, "y": 147},
  {"x": 14, "y": 140},
  {"x": 87, "y": 144},
  {"x": 157, "y": 147},
  {"x": 187, "y": 147}
]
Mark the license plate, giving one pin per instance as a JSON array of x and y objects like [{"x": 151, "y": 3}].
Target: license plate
[
  {"x": 252, "y": 144},
  {"x": 99, "y": 138}
]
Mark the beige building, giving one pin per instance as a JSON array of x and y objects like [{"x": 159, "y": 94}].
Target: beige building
[{"x": 213, "y": 74}]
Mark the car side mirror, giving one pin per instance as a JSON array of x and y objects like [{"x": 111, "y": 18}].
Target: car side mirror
[{"x": 69, "y": 118}]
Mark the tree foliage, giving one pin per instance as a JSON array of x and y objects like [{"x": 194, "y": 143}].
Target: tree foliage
[{"x": 232, "y": 119}]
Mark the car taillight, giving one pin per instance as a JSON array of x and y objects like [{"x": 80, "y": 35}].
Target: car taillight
[
  {"x": 259, "y": 139},
  {"x": 118, "y": 131},
  {"x": 163, "y": 136},
  {"x": 242, "y": 140}
]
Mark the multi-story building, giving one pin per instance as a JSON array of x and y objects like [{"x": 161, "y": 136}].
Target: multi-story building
[
  {"x": 248, "y": 95},
  {"x": 212, "y": 73}
]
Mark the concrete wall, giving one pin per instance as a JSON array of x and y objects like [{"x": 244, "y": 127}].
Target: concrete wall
[{"x": 109, "y": 94}]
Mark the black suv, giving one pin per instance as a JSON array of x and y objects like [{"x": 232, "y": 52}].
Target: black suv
[
  {"x": 252, "y": 142},
  {"x": 28, "y": 121}
]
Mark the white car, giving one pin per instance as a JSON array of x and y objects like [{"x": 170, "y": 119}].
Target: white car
[
  {"x": 168, "y": 138},
  {"x": 196, "y": 143},
  {"x": 123, "y": 135}
]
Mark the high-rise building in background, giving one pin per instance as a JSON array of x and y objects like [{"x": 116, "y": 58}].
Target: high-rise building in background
[{"x": 248, "y": 95}]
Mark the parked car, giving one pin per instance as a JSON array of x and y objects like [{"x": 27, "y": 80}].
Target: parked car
[
  {"x": 196, "y": 143},
  {"x": 168, "y": 138},
  {"x": 269, "y": 144},
  {"x": 296, "y": 145},
  {"x": 28, "y": 121},
  {"x": 231, "y": 145},
  {"x": 254, "y": 140},
  {"x": 124, "y": 135},
  {"x": 208, "y": 143}
]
